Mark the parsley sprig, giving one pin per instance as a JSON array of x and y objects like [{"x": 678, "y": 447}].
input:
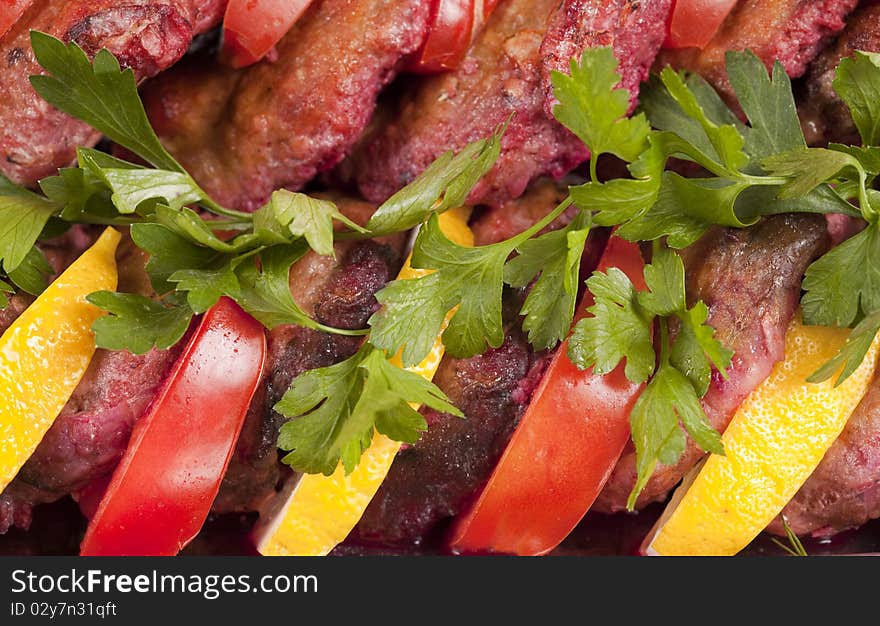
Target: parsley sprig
[{"x": 620, "y": 328}]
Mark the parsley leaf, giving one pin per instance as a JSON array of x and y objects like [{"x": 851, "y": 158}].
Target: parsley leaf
[
  {"x": 131, "y": 185},
  {"x": 137, "y": 323},
  {"x": 204, "y": 287},
  {"x": 726, "y": 139},
  {"x": 617, "y": 329},
  {"x": 99, "y": 93},
  {"x": 5, "y": 289},
  {"x": 807, "y": 168},
  {"x": 169, "y": 252},
  {"x": 852, "y": 353},
  {"x": 549, "y": 306},
  {"x": 857, "y": 82},
  {"x": 335, "y": 410},
  {"x": 844, "y": 282},
  {"x": 620, "y": 327},
  {"x": 308, "y": 217},
  {"x": 23, "y": 215},
  {"x": 669, "y": 396},
  {"x": 768, "y": 102},
  {"x": 32, "y": 273},
  {"x": 591, "y": 107},
  {"x": 443, "y": 185}
]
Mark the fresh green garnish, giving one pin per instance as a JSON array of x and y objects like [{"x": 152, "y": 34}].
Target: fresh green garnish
[
  {"x": 794, "y": 547},
  {"x": 620, "y": 328},
  {"x": 337, "y": 409}
]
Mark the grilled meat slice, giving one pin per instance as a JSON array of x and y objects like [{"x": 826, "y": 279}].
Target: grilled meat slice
[
  {"x": 635, "y": 30},
  {"x": 146, "y": 35},
  {"x": 244, "y": 133},
  {"x": 90, "y": 435},
  {"x": 751, "y": 281},
  {"x": 824, "y": 116},
  {"x": 433, "y": 480},
  {"x": 504, "y": 77},
  {"x": 337, "y": 292},
  {"x": 790, "y": 31}
]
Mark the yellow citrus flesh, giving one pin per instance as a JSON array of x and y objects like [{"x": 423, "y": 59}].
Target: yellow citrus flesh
[
  {"x": 318, "y": 512},
  {"x": 773, "y": 443},
  {"x": 45, "y": 352}
]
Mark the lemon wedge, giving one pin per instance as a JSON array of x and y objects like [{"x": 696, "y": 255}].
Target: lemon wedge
[
  {"x": 315, "y": 513},
  {"x": 773, "y": 443},
  {"x": 45, "y": 352}
]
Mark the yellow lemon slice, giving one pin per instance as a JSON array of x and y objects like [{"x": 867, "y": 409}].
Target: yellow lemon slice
[
  {"x": 315, "y": 513},
  {"x": 45, "y": 352},
  {"x": 773, "y": 443}
]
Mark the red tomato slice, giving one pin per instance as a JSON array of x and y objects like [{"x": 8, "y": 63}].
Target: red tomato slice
[
  {"x": 10, "y": 11},
  {"x": 163, "y": 488},
  {"x": 695, "y": 22},
  {"x": 562, "y": 452},
  {"x": 448, "y": 38},
  {"x": 251, "y": 28}
]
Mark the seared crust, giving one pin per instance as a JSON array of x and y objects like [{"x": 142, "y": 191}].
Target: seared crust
[
  {"x": 146, "y": 35},
  {"x": 244, "y": 133}
]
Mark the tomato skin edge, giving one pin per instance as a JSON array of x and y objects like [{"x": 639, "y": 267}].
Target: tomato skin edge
[
  {"x": 161, "y": 492},
  {"x": 252, "y": 28},
  {"x": 694, "y": 23},
  {"x": 544, "y": 482}
]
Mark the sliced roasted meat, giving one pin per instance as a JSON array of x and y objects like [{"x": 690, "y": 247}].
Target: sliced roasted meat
[
  {"x": 146, "y": 35},
  {"x": 750, "y": 279},
  {"x": 433, "y": 480},
  {"x": 635, "y": 30},
  {"x": 244, "y": 133},
  {"x": 824, "y": 116},
  {"x": 790, "y": 31},
  {"x": 89, "y": 436},
  {"x": 337, "y": 292},
  {"x": 438, "y": 477},
  {"x": 504, "y": 77},
  {"x": 91, "y": 433},
  {"x": 844, "y": 490}
]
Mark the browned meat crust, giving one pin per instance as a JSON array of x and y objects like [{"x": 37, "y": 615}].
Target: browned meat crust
[
  {"x": 790, "y": 31},
  {"x": 88, "y": 438},
  {"x": 824, "y": 116},
  {"x": 338, "y": 293},
  {"x": 751, "y": 281},
  {"x": 245, "y": 133},
  {"x": 504, "y": 76},
  {"x": 146, "y": 35},
  {"x": 433, "y": 480},
  {"x": 635, "y": 29}
]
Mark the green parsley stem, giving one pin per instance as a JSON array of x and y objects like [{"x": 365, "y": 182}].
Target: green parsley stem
[
  {"x": 360, "y": 332},
  {"x": 593, "y": 170},
  {"x": 213, "y": 207},
  {"x": 546, "y": 221}
]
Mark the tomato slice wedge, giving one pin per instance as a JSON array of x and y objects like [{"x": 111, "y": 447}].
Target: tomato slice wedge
[
  {"x": 449, "y": 36},
  {"x": 695, "y": 22},
  {"x": 162, "y": 490},
  {"x": 251, "y": 28},
  {"x": 10, "y": 12},
  {"x": 562, "y": 452}
]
